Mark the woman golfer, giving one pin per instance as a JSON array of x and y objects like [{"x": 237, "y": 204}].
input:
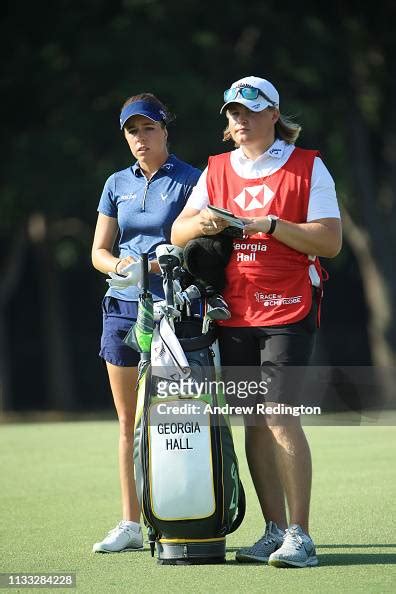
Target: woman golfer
[{"x": 138, "y": 204}]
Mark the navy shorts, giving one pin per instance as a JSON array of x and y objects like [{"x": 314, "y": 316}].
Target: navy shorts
[{"x": 118, "y": 317}]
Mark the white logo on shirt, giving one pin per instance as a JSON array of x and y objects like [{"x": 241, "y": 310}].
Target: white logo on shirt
[
  {"x": 254, "y": 197},
  {"x": 164, "y": 196},
  {"x": 127, "y": 196},
  {"x": 273, "y": 299}
]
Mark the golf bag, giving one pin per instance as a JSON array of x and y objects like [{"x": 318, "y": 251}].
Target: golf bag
[{"x": 186, "y": 469}]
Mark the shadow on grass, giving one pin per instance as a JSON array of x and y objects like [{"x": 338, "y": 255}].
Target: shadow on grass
[
  {"x": 356, "y": 546},
  {"x": 357, "y": 559}
]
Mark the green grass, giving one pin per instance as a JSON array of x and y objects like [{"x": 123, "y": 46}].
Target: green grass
[{"x": 59, "y": 493}]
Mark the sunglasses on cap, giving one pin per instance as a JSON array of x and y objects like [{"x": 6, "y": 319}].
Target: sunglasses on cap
[{"x": 249, "y": 93}]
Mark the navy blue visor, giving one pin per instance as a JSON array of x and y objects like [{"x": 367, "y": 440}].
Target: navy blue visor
[{"x": 143, "y": 108}]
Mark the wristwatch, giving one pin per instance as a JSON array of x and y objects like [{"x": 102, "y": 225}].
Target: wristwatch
[{"x": 273, "y": 219}]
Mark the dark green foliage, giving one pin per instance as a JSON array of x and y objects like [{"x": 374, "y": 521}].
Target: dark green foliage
[{"x": 68, "y": 66}]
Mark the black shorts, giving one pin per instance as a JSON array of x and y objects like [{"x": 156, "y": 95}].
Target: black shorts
[{"x": 279, "y": 354}]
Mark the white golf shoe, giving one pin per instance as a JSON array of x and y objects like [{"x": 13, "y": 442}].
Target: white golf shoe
[
  {"x": 124, "y": 537},
  {"x": 297, "y": 550}
]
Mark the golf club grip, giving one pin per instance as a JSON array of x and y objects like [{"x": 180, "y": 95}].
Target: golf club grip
[{"x": 145, "y": 273}]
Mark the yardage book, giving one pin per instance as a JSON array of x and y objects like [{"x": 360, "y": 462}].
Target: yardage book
[{"x": 228, "y": 216}]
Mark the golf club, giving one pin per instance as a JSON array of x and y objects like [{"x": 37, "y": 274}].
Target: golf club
[{"x": 168, "y": 257}]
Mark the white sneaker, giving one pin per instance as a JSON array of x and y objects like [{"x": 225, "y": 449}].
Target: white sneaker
[
  {"x": 298, "y": 550},
  {"x": 123, "y": 537},
  {"x": 262, "y": 549}
]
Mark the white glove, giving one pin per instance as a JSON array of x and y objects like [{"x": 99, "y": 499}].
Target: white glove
[{"x": 131, "y": 276}]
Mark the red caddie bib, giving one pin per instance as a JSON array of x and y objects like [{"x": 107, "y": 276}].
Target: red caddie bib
[{"x": 267, "y": 282}]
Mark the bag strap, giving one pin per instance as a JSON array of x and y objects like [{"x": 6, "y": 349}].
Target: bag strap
[{"x": 241, "y": 509}]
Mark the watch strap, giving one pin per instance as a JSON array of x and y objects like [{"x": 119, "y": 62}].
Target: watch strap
[{"x": 272, "y": 226}]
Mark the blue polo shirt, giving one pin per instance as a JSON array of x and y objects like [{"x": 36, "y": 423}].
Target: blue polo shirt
[{"x": 145, "y": 211}]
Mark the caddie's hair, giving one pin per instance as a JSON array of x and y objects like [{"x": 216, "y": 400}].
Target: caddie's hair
[
  {"x": 285, "y": 129},
  {"x": 151, "y": 98}
]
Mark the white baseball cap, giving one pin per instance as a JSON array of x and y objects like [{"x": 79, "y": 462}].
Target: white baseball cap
[{"x": 266, "y": 96}]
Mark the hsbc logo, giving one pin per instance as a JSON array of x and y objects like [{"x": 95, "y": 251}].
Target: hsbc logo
[{"x": 254, "y": 197}]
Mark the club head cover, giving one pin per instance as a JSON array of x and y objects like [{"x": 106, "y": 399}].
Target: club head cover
[{"x": 206, "y": 258}]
